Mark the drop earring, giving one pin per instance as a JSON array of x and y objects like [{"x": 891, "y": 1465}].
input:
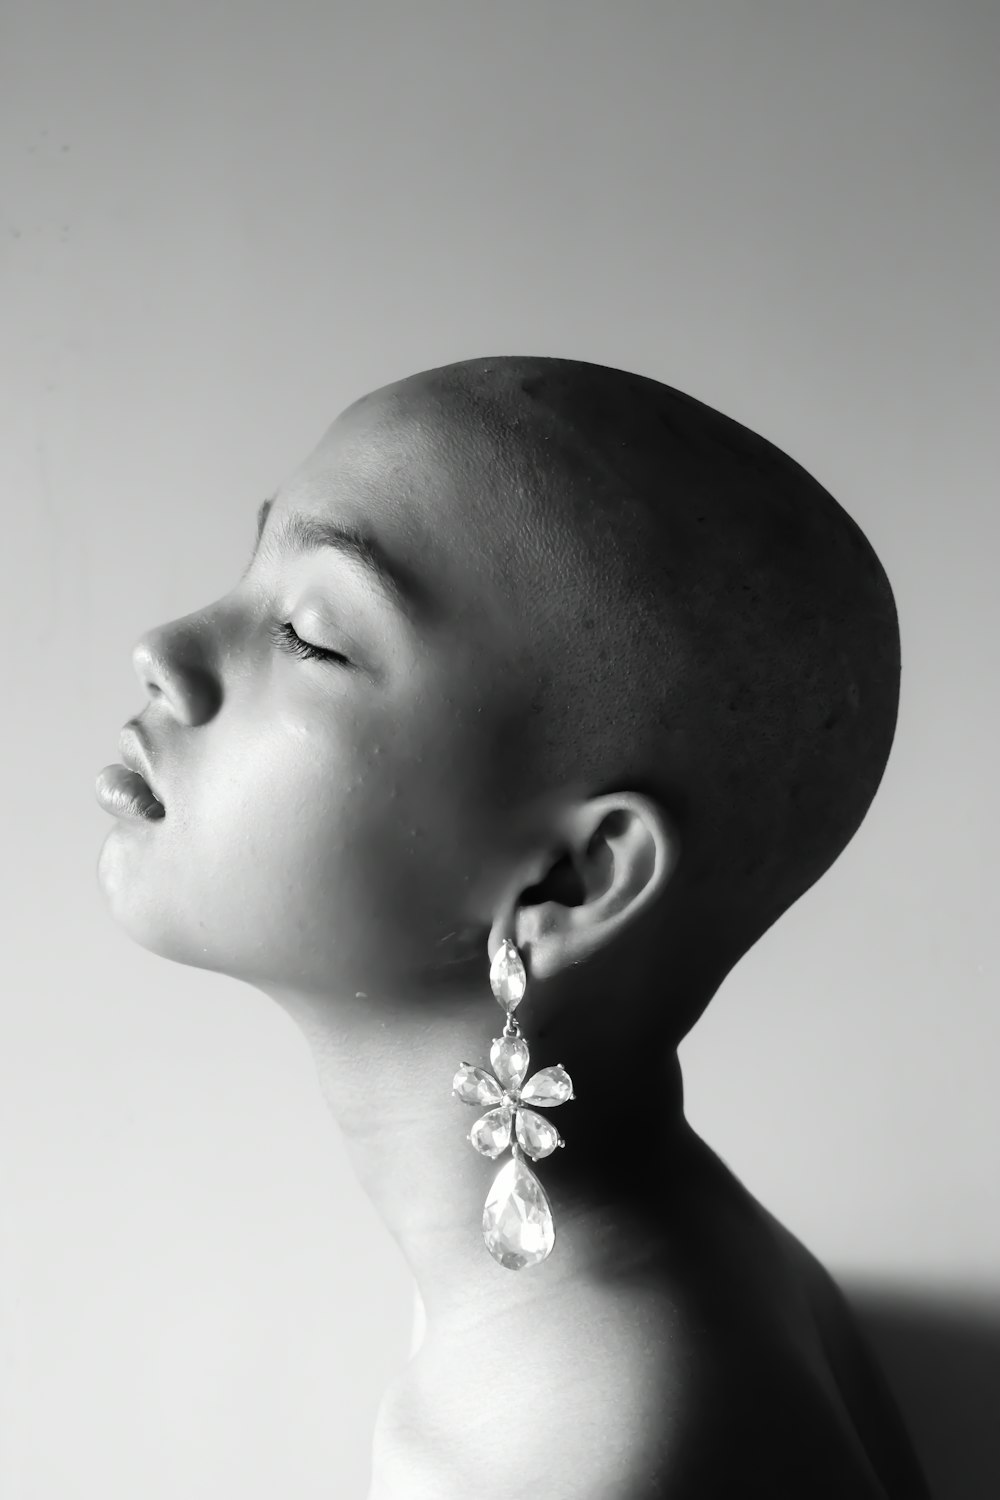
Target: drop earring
[{"x": 517, "y": 1217}]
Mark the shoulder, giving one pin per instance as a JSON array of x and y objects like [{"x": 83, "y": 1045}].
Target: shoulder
[
  {"x": 730, "y": 1393},
  {"x": 762, "y": 1422},
  {"x": 704, "y": 1423}
]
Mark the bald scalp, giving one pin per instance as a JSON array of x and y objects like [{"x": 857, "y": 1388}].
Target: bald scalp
[{"x": 703, "y": 621}]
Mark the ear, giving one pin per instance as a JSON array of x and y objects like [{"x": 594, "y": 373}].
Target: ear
[{"x": 619, "y": 851}]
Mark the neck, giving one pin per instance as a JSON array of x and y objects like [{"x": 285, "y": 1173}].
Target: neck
[{"x": 386, "y": 1073}]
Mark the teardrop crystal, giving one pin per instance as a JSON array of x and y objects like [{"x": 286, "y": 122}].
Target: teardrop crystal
[
  {"x": 517, "y": 1218},
  {"x": 536, "y": 1136},
  {"x": 549, "y": 1087},
  {"x": 491, "y": 1133},
  {"x": 475, "y": 1086},
  {"x": 509, "y": 1059},
  {"x": 508, "y": 980}
]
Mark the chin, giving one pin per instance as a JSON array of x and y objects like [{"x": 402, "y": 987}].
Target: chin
[{"x": 143, "y": 912}]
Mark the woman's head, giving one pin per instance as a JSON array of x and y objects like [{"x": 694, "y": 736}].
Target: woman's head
[{"x": 609, "y": 672}]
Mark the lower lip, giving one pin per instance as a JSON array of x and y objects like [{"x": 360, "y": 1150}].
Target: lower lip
[{"x": 125, "y": 794}]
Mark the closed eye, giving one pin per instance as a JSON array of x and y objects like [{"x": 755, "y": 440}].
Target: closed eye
[{"x": 286, "y": 637}]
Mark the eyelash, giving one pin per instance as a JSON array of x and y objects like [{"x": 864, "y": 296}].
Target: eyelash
[{"x": 285, "y": 636}]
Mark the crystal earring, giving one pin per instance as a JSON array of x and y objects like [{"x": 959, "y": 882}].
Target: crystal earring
[{"x": 517, "y": 1217}]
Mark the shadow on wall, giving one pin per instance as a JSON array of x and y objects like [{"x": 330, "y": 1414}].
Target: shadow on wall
[{"x": 941, "y": 1355}]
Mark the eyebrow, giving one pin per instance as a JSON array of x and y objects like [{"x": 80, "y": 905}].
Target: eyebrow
[{"x": 309, "y": 534}]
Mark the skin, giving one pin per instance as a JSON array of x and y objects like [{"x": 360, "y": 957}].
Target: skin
[{"x": 355, "y": 837}]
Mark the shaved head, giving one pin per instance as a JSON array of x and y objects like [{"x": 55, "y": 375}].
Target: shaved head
[
  {"x": 518, "y": 630},
  {"x": 697, "y": 617}
]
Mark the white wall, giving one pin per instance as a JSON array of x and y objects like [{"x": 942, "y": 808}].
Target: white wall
[{"x": 220, "y": 224}]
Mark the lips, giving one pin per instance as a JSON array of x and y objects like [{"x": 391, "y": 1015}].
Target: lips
[
  {"x": 135, "y": 755},
  {"x": 126, "y": 794}
]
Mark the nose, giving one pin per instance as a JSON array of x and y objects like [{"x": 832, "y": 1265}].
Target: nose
[{"x": 174, "y": 663}]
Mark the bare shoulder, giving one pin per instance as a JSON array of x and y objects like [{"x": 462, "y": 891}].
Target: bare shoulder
[
  {"x": 742, "y": 1374},
  {"x": 760, "y": 1417},
  {"x": 747, "y": 1434},
  {"x": 685, "y": 1406},
  {"x": 820, "y": 1350}
]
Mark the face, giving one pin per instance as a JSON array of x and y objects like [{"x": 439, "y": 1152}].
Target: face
[{"x": 332, "y": 745}]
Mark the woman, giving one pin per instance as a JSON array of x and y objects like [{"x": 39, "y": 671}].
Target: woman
[{"x": 548, "y": 685}]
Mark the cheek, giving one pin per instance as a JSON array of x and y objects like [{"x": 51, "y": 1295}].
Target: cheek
[{"x": 301, "y": 858}]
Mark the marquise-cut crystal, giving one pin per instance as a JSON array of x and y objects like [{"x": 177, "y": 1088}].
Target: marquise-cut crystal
[
  {"x": 509, "y": 1056},
  {"x": 517, "y": 1218},
  {"x": 507, "y": 977},
  {"x": 491, "y": 1133},
  {"x": 549, "y": 1087},
  {"x": 536, "y": 1136},
  {"x": 475, "y": 1086}
]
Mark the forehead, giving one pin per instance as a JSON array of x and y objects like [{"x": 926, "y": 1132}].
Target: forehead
[{"x": 432, "y": 485}]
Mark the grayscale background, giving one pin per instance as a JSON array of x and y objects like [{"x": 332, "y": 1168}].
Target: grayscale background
[{"x": 222, "y": 222}]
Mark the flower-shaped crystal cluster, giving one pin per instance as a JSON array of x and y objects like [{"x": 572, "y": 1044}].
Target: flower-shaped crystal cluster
[
  {"x": 510, "y": 1103},
  {"x": 517, "y": 1219}
]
